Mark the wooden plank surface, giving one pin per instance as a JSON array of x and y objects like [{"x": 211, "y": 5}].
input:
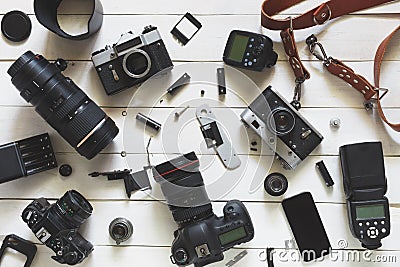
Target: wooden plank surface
[{"x": 352, "y": 38}]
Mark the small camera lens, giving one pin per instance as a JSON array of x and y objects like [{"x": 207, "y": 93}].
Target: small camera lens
[
  {"x": 276, "y": 184},
  {"x": 137, "y": 64},
  {"x": 281, "y": 121},
  {"x": 120, "y": 230},
  {"x": 74, "y": 208}
]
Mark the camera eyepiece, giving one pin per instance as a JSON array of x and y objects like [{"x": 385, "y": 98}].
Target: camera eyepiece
[{"x": 62, "y": 104}]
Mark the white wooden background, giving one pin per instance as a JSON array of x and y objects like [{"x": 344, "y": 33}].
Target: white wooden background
[{"x": 353, "y": 38}]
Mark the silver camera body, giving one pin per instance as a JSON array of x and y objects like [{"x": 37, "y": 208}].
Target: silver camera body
[
  {"x": 132, "y": 60},
  {"x": 281, "y": 127}
]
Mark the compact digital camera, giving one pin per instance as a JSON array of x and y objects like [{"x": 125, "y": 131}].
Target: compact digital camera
[
  {"x": 202, "y": 236},
  {"x": 132, "y": 60},
  {"x": 271, "y": 116},
  {"x": 57, "y": 226}
]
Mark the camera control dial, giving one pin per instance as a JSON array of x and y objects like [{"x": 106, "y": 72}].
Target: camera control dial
[{"x": 180, "y": 256}]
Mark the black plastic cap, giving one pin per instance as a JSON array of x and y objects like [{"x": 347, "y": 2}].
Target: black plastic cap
[
  {"x": 20, "y": 62},
  {"x": 65, "y": 170},
  {"x": 16, "y": 26}
]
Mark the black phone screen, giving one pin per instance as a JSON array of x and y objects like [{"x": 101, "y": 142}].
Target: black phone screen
[{"x": 307, "y": 227}]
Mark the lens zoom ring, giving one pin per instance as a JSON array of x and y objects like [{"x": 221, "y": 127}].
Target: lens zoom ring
[
  {"x": 185, "y": 215},
  {"x": 70, "y": 104},
  {"x": 83, "y": 123}
]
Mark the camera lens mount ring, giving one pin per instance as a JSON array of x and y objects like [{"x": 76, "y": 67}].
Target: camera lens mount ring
[
  {"x": 287, "y": 118},
  {"x": 133, "y": 75}
]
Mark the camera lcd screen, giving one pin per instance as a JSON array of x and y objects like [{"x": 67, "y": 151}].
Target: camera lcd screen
[
  {"x": 370, "y": 211},
  {"x": 238, "y": 47},
  {"x": 232, "y": 236}
]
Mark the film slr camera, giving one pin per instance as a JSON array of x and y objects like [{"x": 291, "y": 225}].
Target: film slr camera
[
  {"x": 270, "y": 115},
  {"x": 202, "y": 237},
  {"x": 57, "y": 226},
  {"x": 132, "y": 60}
]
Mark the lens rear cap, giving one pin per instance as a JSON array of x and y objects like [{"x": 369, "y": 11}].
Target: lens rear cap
[{"x": 16, "y": 26}]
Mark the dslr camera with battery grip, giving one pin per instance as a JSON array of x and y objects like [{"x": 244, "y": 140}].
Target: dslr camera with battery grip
[
  {"x": 132, "y": 60},
  {"x": 202, "y": 236},
  {"x": 56, "y": 225},
  {"x": 271, "y": 116}
]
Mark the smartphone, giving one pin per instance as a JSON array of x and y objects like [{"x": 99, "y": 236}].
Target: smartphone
[{"x": 307, "y": 227}]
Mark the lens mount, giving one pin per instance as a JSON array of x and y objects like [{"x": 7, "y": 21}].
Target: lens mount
[
  {"x": 129, "y": 57},
  {"x": 281, "y": 121}
]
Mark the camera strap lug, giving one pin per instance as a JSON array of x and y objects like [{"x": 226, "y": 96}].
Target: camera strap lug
[{"x": 216, "y": 138}]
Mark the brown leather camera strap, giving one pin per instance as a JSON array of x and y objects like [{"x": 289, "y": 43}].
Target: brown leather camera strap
[
  {"x": 317, "y": 16},
  {"x": 369, "y": 91}
]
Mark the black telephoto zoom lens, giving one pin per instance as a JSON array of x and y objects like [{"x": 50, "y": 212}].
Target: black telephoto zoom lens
[{"x": 64, "y": 106}]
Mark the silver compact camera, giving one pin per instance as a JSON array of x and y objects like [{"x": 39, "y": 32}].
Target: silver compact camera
[
  {"x": 132, "y": 60},
  {"x": 282, "y": 127}
]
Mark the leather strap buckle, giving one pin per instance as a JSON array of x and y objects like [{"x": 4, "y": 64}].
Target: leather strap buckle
[
  {"x": 384, "y": 90},
  {"x": 322, "y": 14}
]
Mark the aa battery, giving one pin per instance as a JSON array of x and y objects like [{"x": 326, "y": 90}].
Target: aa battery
[{"x": 148, "y": 121}]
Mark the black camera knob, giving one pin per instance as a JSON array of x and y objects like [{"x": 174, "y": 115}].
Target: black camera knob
[
  {"x": 71, "y": 258},
  {"x": 180, "y": 256},
  {"x": 61, "y": 64},
  {"x": 148, "y": 29}
]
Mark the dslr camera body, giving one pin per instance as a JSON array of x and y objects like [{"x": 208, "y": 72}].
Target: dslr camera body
[
  {"x": 57, "y": 226},
  {"x": 282, "y": 127},
  {"x": 202, "y": 237},
  {"x": 132, "y": 60}
]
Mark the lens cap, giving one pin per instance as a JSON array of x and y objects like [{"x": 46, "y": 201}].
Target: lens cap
[{"x": 16, "y": 26}]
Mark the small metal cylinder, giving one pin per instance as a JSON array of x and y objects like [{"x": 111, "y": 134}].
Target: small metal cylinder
[{"x": 148, "y": 121}]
